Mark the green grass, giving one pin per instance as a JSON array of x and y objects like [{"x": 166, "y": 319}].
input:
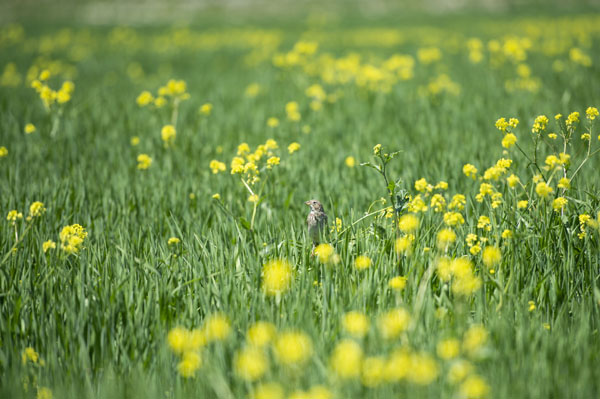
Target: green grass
[{"x": 99, "y": 319}]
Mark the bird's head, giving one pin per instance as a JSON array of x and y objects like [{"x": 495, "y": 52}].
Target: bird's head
[{"x": 315, "y": 205}]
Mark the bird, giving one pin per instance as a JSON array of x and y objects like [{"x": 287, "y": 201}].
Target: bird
[{"x": 316, "y": 221}]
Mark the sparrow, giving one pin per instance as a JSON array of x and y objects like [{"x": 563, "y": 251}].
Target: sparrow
[{"x": 316, "y": 221}]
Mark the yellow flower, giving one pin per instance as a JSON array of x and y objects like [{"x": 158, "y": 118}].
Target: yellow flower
[
  {"x": 586, "y": 136},
  {"x": 421, "y": 185},
  {"x": 324, "y": 252},
  {"x": 291, "y": 110},
  {"x": 168, "y": 134},
  {"x": 539, "y": 124},
  {"x": 205, "y": 109},
  {"x": 270, "y": 390},
  {"x": 502, "y": 124},
  {"x": 442, "y": 185},
  {"x": 531, "y": 306},
  {"x": 474, "y": 387},
  {"x": 453, "y": 218},
  {"x": 293, "y": 147},
  {"x": 458, "y": 202},
  {"x": 29, "y": 128},
  {"x": 13, "y": 216},
  {"x": 559, "y": 203},
  {"x": 346, "y": 359},
  {"x": 424, "y": 369},
  {"x": 293, "y": 348},
  {"x": 350, "y": 162},
  {"x": 29, "y": 354},
  {"x": 362, "y": 262},
  {"x": 448, "y": 348},
  {"x": 216, "y": 166},
  {"x": 522, "y": 204},
  {"x": 272, "y": 162},
  {"x": 417, "y": 204},
  {"x": 71, "y": 238},
  {"x": 491, "y": 256},
  {"x": 513, "y": 180},
  {"x": 144, "y": 161},
  {"x": 509, "y": 140},
  {"x": 373, "y": 371},
  {"x": 272, "y": 122},
  {"x": 403, "y": 244},
  {"x": 271, "y": 144},
  {"x": 355, "y": 324},
  {"x": 591, "y": 113},
  {"x": 36, "y": 209},
  {"x": 190, "y": 362},
  {"x": 178, "y": 339},
  {"x": 408, "y": 223},
  {"x": 253, "y": 198},
  {"x": 507, "y": 234},
  {"x": 459, "y": 370},
  {"x": 135, "y": 140},
  {"x": 445, "y": 237},
  {"x": 250, "y": 363},
  {"x": 572, "y": 119},
  {"x": 474, "y": 339},
  {"x": 552, "y": 136},
  {"x": 261, "y": 333},
  {"x": 543, "y": 190},
  {"x": 3, "y": 152},
  {"x": 45, "y": 75},
  {"x": 252, "y": 90},
  {"x": 475, "y": 249},
  {"x": 438, "y": 203},
  {"x": 44, "y": 393},
  {"x": 144, "y": 98},
  {"x": 217, "y": 327},
  {"x": 377, "y": 149},
  {"x": 48, "y": 245},
  {"x": 470, "y": 171},
  {"x": 392, "y": 323},
  {"x": 397, "y": 283},
  {"x": 173, "y": 241},
  {"x": 276, "y": 277}
]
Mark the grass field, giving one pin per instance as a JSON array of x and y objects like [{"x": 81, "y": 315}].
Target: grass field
[{"x": 154, "y": 178}]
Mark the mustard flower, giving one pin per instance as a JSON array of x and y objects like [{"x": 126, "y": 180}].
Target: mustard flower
[
  {"x": 424, "y": 369},
  {"x": 403, "y": 244},
  {"x": 506, "y": 234},
  {"x": 448, "y": 348},
  {"x": 539, "y": 124},
  {"x": 350, "y": 161},
  {"x": 459, "y": 370},
  {"x": 438, "y": 203},
  {"x": 591, "y": 113},
  {"x": 216, "y": 327},
  {"x": 509, "y": 140},
  {"x": 324, "y": 252},
  {"x": 168, "y": 134},
  {"x": 144, "y": 161},
  {"x": 531, "y": 306},
  {"x": 474, "y": 387},
  {"x": 173, "y": 241},
  {"x": 272, "y": 122},
  {"x": 484, "y": 223},
  {"x": 445, "y": 237},
  {"x": 474, "y": 339},
  {"x": 216, "y": 166},
  {"x": 397, "y": 283},
  {"x": 421, "y": 185},
  {"x": 252, "y": 90},
  {"x": 206, "y": 109},
  {"x": 269, "y": 390},
  {"x": 36, "y": 209},
  {"x": 408, "y": 223},
  {"x": 48, "y": 245},
  {"x": 362, "y": 262},
  {"x": 144, "y": 98},
  {"x": 3, "y": 151},
  {"x": 29, "y": 355},
  {"x": 522, "y": 204},
  {"x": 261, "y": 334},
  {"x": 491, "y": 256},
  {"x": 72, "y": 237},
  {"x": 13, "y": 216},
  {"x": 29, "y": 128},
  {"x": 470, "y": 171},
  {"x": 377, "y": 149},
  {"x": 292, "y": 112},
  {"x": 572, "y": 119},
  {"x": 135, "y": 140},
  {"x": 543, "y": 190},
  {"x": 372, "y": 371},
  {"x": 250, "y": 363},
  {"x": 293, "y": 147},
  {"x": 293, "y": 348},
  {"x": 346, "y": 359},
  {"x": 559, "y": 203},
  {"x": 552, "y": 136},
  {"x": 276, "y": 277},
  {"x": 453, "y": 218},
  {"x": 458, "y": 202},
  {"x": 189, "y": 363},
  {"x": 43, "y": 393},
  {"x": 356, "y": 324},
  {"x": 392, "y": 323}
]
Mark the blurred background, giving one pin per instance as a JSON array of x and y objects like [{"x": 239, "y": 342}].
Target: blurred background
[{"x": 156, "y": 11}]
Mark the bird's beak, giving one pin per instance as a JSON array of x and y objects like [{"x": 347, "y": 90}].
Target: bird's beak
[{"x": 307, "y": 203}]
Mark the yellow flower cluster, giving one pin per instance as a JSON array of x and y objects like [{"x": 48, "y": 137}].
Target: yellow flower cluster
[
  {"x": 71, "y": 238},
  {"x": 49, "y": 96},
  {"x": 175, "y": 90},
  {"x": 460, "y": 271},
  {"x": 276, "y": 277}
]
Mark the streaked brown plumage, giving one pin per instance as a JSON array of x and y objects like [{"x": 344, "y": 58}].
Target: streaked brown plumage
[{"x": 316, "y": 221}]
